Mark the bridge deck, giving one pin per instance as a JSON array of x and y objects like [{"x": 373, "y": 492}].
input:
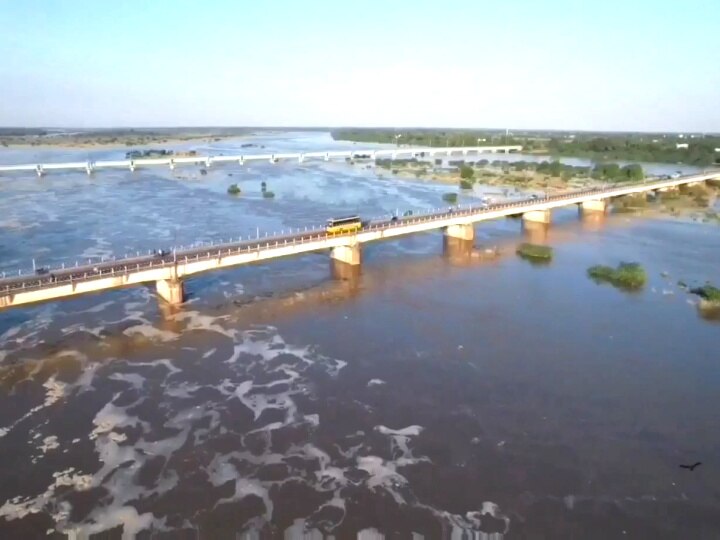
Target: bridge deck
[
  {"x": 208, "y": 161},
  {"x": 62, "y": 282}
]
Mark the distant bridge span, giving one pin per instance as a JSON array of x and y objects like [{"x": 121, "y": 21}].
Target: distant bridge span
[
  {"x": 207, "y": 161},
  {"x": 168, "y": 270}
]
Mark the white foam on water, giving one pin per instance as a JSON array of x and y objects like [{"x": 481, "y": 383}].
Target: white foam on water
[
  {"x": 80, "y": 327},
  {"x": 263, "y": 373},
  {"x": 194, "y": 320},
  {"x": 222, "y": 471},
  {"x": 98, "y": 308},
  {"x": 375, "y": 382},
  {"x": 19, "y": 507},
  {"x": 410, "y": 431},
  {"x": 150, "y": 332},
  {"x": 54, "y": 391},
  {"x": 49, "y": 443},
  {"x": 182, "y": 391},
  {"x": 133, "y": 379}
]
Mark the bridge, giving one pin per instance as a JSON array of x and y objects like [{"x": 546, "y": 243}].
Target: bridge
[
  {"x": 208, "y": 161},
  {"x": 168, "y": 270}
]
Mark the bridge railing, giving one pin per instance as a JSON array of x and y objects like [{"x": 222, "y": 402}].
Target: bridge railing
[
  {"x": 122, "y": 267},
  {"x": 88, "y": 273}
]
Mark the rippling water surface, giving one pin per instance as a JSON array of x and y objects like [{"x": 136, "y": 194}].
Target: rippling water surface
[{"x": 439, "y": 392}]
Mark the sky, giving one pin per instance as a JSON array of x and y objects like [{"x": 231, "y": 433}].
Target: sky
[{"x": 632, "y": 65}]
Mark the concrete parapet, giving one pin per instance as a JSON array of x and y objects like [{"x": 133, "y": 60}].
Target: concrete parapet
[
  {"x": 171, "y": 290},
  {"x": 461, "y": 232},
  {"x": 598, "y": 205},
  {"x": 349, "y": 254},
  {"x": 538, "y": 216}
]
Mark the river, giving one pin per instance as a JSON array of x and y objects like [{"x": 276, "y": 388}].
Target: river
[{"x": 436, "y": 393}]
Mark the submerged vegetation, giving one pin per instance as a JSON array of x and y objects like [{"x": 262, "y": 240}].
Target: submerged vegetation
[
  {"x": 268, "y": 194},
  {"x": 709, "y": 306},
  {"x": 627, "y": 275},
  {"x": 450, "y": 197},
  {"x": 535, "y": 252},
  {"x": 708, "y": 292}
]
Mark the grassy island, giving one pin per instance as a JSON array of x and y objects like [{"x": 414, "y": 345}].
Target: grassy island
[
  {"x": 707, "y": 292},
  {"x": 709, "y": 305},
  {"x": 626, "y": 275},
  {"x": 234, "y": 190},
  {"x": 535, "y": 252}
]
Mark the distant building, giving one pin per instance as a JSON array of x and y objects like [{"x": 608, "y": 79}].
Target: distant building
[{"x": 681, "y": 145}]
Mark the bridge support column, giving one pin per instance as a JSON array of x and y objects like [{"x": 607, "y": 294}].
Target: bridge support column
[
  {"x": 347, "y": 254},
  {"x": 171, "y": 290},
  {"x": 461, "y": 232},
  {"x": 594, "y": 206},
  {"x": 458, "y": 250},
  {"x": 538, "y": 216},
  {"x": 536, "y": 232}
]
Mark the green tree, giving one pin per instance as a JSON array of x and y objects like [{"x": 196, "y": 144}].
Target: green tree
[
  {"x": 633, "y": 172},
  {"x": 466, "y": 172},
  {"x": 466, "y": 184}
]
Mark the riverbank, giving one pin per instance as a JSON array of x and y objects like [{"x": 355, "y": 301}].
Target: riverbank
[
  {"x": 529, "y": 180},
  {"x": 99, "y": 142},
  {"x": 102, "y": 143},
  {"x": 696, "y": 203},
  {"x": 669, "y": 148}
]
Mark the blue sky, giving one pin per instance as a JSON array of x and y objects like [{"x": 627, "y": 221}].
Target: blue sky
[{"x": 621, "y": 65}]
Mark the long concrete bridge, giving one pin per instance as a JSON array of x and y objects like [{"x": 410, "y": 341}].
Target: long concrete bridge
[
  {"x": 207, "y": 161},
  {"x": 168, "y": 270}
]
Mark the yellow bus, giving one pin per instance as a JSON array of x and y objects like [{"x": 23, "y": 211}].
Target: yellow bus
[{"x": 343, "y": 225}]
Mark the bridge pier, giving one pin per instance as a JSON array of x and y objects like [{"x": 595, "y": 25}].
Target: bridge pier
[
  {"x": 536, "y": 232},
  {"x": 457, "y": 250},
  {"x": 599, "y": 205},
  {"x": 171, "y": 290},
  {"x": 465, "y": 231},
  {"x": 349, "y": 254},
  {"x": 537, "y": 216}
]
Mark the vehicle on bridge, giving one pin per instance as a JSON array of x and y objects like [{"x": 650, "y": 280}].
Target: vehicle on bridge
[{"x": 343, "y": 225}]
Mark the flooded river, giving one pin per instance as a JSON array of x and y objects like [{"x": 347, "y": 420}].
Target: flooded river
[{"x": 439, "y": 392}]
